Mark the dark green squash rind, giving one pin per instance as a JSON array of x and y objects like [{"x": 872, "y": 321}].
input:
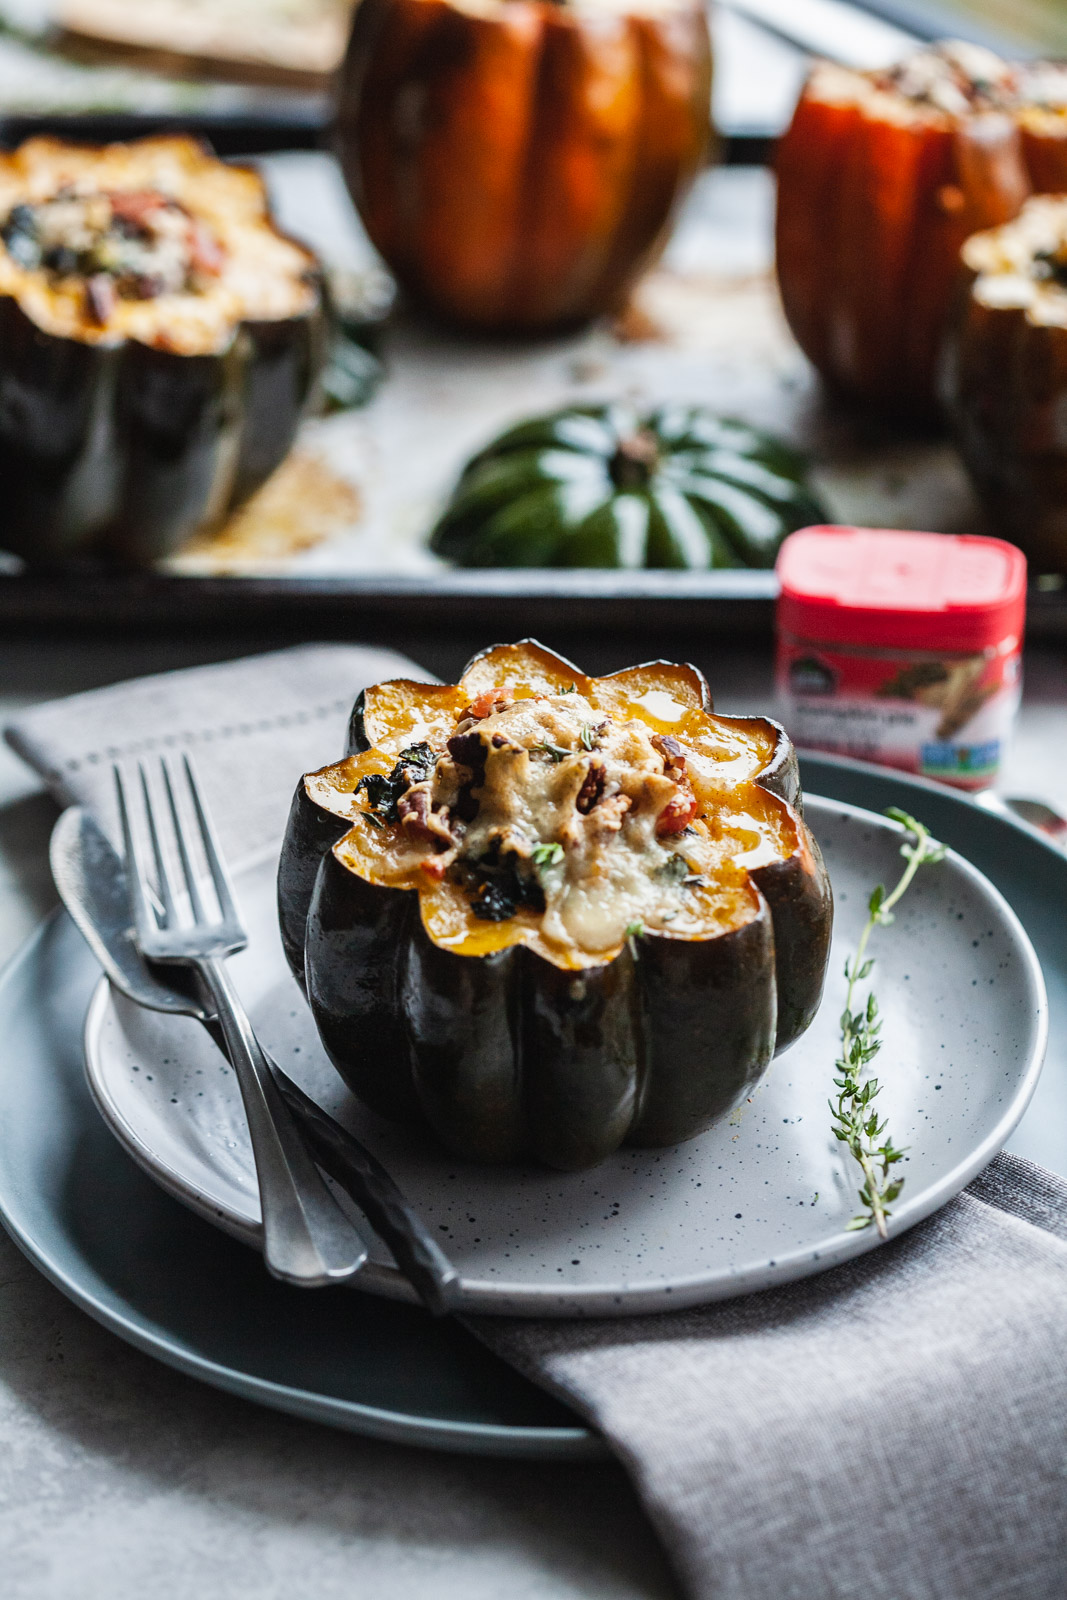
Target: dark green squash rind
[
  {"x": 801, "y": 902},
  {"x": 461, "y": 1017},
  {"x": 709, "y": 1027},
  {"x": 176, "y": 428},
  {"x": 583, "y": 1059},
  {"x": 57, "y": 445},
  {"x": 129, "y": 450},
  {"x": 357, "y": 740},
  {"x": 802, "y": 907},
  {"x": 309, "y": 834},
  {"x": 355, "y": 933},
  {"x": 284, "y": 361}
]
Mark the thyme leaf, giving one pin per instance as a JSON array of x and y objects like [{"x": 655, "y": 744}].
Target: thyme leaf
[
  {"x": 634, "y": 930},
  {"x": 587, "y": 736},
  {"x": 546, "y": 855},
  {"x": 856, "y": 1122},
  {"x": 675, "y": 869},
  {"x": 557, "y": 751}
]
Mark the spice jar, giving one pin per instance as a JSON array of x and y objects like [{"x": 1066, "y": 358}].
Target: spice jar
[{"x": 902, "y": 648}]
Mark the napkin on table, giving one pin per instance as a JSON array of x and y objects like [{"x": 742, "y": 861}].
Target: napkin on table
[{"x": 894, "y": 1429}]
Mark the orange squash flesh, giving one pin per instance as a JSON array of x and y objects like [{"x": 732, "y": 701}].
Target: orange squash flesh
[{"x": 737, "y": 826}]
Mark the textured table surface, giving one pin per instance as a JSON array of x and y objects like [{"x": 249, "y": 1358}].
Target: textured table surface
[{"x": 120, "y": 1478}]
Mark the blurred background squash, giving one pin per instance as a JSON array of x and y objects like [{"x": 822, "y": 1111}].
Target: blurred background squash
[
  {"x": 517, "y": 163},
  {"x": 881, "y": 178},
  {"x": 159, "y": 341},
  {"x": 1005, "y": 378},
  {"x": 604, "y": 486}
]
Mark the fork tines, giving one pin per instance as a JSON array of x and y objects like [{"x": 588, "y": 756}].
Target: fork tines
[{"x": 172, "y": 852}]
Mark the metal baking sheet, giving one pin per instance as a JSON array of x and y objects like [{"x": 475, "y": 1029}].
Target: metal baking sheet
[{"x": 337, "y": 540}]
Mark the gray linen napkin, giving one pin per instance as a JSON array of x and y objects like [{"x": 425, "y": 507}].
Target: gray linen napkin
[
  {"x": 895, "y": 1429},
  {"x": 252, "y": 726}
]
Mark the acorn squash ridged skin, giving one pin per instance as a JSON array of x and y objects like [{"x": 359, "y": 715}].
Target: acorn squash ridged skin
[
  {"x": 518, "y": 167},
  {"x": 1004, "y": 388},
  {"x": 617, "y": 487},
  {"x": 129, "y": 449},
  {"x": 127, "y": 429},
  {"x": 507, "y": 1056}
]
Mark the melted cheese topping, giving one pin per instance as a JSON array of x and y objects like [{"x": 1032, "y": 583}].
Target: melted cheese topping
[
  {"x": 1023, "y": 264},
  {"x": 938, "y": 86},
  {"x": 566, "y": 821},
  {"x": 263, "y": 275},
  {"x": 1043, "y": 88}
]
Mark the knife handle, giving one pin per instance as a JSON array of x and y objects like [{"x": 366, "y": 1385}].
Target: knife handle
[
  {"x": 341, "y": 1155},
  {"x": 348, "y": 1162}
]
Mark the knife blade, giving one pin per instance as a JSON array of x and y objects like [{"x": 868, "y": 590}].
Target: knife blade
[{"x": 91, "y": 881}]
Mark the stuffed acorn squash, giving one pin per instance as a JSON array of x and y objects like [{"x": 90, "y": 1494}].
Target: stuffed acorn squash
[
  {"x": 1004, "y": 377},
  {"x": 602, "y": 486},
  {"x": 158, "y": 340},
  {"x": 548, "y": 914}
]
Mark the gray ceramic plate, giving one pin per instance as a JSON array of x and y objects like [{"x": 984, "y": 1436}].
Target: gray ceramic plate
[
  {"x": 158, "y": 1276},
  {"x": 761, "y": 1198}
]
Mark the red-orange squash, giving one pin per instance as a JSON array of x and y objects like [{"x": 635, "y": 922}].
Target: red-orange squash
[
  {"x": 517, "y": 162},
  {"x": 881, "y": 178}
]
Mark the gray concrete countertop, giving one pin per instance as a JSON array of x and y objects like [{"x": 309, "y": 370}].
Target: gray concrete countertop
[{"x": 122, "y": 1479}]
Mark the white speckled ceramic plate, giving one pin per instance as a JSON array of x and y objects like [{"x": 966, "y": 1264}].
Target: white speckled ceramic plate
[{"x": 764, "y": 1197}]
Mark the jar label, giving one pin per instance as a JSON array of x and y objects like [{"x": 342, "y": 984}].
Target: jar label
[{"x": 944, "y": 716}]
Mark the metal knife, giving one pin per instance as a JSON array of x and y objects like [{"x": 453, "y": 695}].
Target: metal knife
[{"x": 91, "y": 881}]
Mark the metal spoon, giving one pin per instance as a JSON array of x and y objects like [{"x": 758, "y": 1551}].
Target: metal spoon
[{"x": 1035, "y": 813}]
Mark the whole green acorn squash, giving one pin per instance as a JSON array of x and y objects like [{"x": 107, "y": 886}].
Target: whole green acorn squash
[
  {"x": 601, "y": 486},
  {"x": 159, "y": 338},
  {"x": 547, "y": 914}
]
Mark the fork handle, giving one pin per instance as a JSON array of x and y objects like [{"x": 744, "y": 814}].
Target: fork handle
[{"x": 307, "y": 1239}]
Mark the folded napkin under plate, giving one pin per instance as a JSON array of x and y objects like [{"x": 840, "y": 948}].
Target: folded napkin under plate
[{"x": 894, "y": 1427}]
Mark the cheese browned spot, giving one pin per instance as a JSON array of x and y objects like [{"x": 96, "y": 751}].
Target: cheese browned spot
[{"x": 551, "y": 820}]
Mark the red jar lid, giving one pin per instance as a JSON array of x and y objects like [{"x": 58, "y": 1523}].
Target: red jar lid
[{"x": 918, "y": 591}]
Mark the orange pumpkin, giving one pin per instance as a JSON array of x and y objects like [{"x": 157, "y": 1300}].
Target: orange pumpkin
[
  {"x": 881, "y": 178},
  {"x": 517, "y": 163}
]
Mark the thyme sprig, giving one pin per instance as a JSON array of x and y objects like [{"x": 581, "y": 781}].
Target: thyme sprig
[{"x": 856, "y": 1122}]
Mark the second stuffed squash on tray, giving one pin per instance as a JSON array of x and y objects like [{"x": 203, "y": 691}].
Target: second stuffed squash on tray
[{"x": 159, "y": 338}]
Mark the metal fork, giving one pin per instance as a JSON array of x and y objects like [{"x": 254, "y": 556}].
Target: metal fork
[{"x": 307, "y": 1239}]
